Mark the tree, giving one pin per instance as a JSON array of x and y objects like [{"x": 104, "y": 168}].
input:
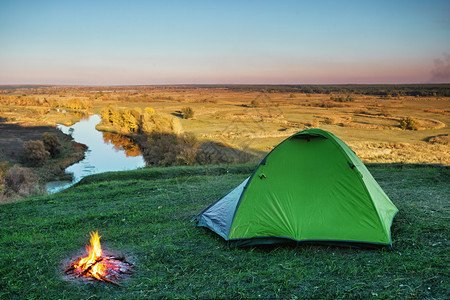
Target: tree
[
  {"x": 409, "y": 123},
  {"x": 105, "y": 113},
  {"x": 187, "y": 112},
  {"x": 52, "y": 144},
  {"x": 34, "y": 153},
  {"x": 129, "y": 121}
]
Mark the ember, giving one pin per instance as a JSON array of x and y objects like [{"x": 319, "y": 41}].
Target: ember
[{"x": 99, "y": 266}]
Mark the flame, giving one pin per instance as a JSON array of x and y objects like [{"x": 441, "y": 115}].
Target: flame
[{"x": 93, "y": 261}]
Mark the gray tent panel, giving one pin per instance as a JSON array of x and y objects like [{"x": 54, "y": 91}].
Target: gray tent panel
[{"x": 219, "y": 216}]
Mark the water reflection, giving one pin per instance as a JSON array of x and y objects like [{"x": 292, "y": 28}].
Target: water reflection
[
  {"x": 82, "y": 115},
  {"x": 122, "y": 143},
  {"x": 106, "y": 152}
]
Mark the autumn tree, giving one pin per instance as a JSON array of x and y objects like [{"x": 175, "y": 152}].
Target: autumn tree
[
  {"x": 34, "y": 153},
  {"x": 52, "y": 144},
  {"x": 187, "y": 112},
  {"x": 409, "y": 123}
]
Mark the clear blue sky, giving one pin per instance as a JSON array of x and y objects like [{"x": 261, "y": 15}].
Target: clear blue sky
[{"x": 170, "y": 42}]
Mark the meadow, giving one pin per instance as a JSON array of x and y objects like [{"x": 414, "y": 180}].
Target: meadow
[
  {"x": 145, "y": 216},
  {"x": 254, "y": 119}
]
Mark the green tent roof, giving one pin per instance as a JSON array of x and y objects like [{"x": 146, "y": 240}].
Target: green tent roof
[{"x": 311, "y": 187}]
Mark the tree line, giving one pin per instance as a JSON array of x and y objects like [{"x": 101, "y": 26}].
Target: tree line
[
  {"x": 137, "y": 120},
  {"x": 74, "y": 104},
  {"x": 394, "y": 90}
]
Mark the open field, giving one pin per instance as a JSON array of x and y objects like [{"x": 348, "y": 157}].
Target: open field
[
  {"x": 235, "y": 124},
  {"x": 255, "y": 120},
  {"x": 145, "y": 215}
]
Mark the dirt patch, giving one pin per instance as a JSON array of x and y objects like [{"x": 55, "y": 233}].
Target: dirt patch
[
  {"x": 443, "y": 139},
  {"x": 430, "y": 124},
  {"x": 284, "y": 132},
  {"x": 438, "y": 111},
  {"x": 272, "y": 118},
  {"x": 334, "y": 120},
  {"x": 12, "y": 137}
]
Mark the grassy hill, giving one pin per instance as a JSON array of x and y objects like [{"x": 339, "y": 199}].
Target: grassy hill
[{"x": 145, "y": 216}]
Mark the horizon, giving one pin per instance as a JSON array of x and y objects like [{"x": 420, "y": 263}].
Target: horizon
[
  {"x": 212, "y": 85},
  {"x": 152, "y": 43}
]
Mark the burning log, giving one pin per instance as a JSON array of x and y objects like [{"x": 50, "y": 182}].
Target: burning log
[
  {"x": 89, "y": 268},
  {"x": 99, "y": 266}
]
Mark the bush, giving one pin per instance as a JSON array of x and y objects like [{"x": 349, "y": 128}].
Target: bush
[
  {"x": 384, "y": 112},
  {"x": 160, "y": 123},
  {"x": 150, "y": 111},
  {"x": 255, "y": 103},
  {"x": 347, "y": 98},
  {"x": 3, "y": 170},
  {"x": 52, "y": 144},
  {"x": 187, "y": 112},
  {"x": 443, "y": 139},
  {"x": 129, "y": 121},
  {"x": 409, "y": 123},
  {"x": 34, "y": 153},
  {"x": 20, "y": 180},
  {"x": 162, "y": 150},
  {"x": 168, "y": 149},
  {"x": 106, "y": 113},
  {"x": 330, "y": 104}
]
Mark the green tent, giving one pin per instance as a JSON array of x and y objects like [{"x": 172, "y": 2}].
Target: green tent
[{"x": 310, "y": 188}]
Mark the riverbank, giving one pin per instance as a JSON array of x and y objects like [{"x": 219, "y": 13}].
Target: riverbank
[
  {"x": 12, "y": 138},
  {"x": 145, "y": 215},
  {"x": 106, "y": 152}
]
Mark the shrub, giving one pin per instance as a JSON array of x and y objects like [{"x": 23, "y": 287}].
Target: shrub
[
  {"x": 330, "y": 120},
  {"x": 331, "y": 104},
  {"x": 130, "y": 120},
  {"x": 384, "y": 112},
  {"x": 20, "y": 180},
  {"x": 409, "y": 123},
  {"x": 443, "y": 139},
  {"x": 347, "y": 98},
  {"x": 187, "y": 150},
  {"x": 361, "y": 111},
  {"x": 163, "y": 149},
  {"x": 160, "y": 123},
  {"x": 169, "y": 149},
  {"x": 213, "y": 153},
  {"x": 150, "y": 111},
  {"x": 255, "y": 103},
  {"x": 106, "y": 113},
  {"x": 187, "y": 112},
  {"x": 34, "y": 153},
  {"x": 52, "y": 144},
  {"x": 3, "y": 170}
]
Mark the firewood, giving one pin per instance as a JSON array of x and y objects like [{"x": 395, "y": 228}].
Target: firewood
[
  {"x": 108, "y": 280},
  {"x": 70, "y": 269},
  {"x": 88, "y": 269}
]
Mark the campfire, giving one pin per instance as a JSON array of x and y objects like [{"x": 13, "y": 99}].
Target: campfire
[{"x": 98, "y": 265}]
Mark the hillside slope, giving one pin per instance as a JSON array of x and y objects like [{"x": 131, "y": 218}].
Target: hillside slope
[{"x": 145, "y": 216}]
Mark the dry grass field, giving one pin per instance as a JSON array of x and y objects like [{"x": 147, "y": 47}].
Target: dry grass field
[
  {"x": 369, "y": 124},
  {"x": 256, "y": 121}
]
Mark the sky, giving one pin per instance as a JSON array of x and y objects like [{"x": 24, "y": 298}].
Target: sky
[{"x": 224, "y": 42}]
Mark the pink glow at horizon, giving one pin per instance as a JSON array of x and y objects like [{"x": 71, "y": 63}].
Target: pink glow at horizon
[{"x": 195, "y": 42}]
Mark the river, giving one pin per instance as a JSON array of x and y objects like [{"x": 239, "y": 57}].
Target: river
[{"x": 106, "y": 152}]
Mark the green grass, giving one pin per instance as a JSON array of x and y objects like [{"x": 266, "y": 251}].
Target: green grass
[{"x": 145, "y": 215}]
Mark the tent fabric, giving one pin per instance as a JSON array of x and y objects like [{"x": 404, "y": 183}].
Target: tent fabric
[{"x": 311, "y": 187}]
